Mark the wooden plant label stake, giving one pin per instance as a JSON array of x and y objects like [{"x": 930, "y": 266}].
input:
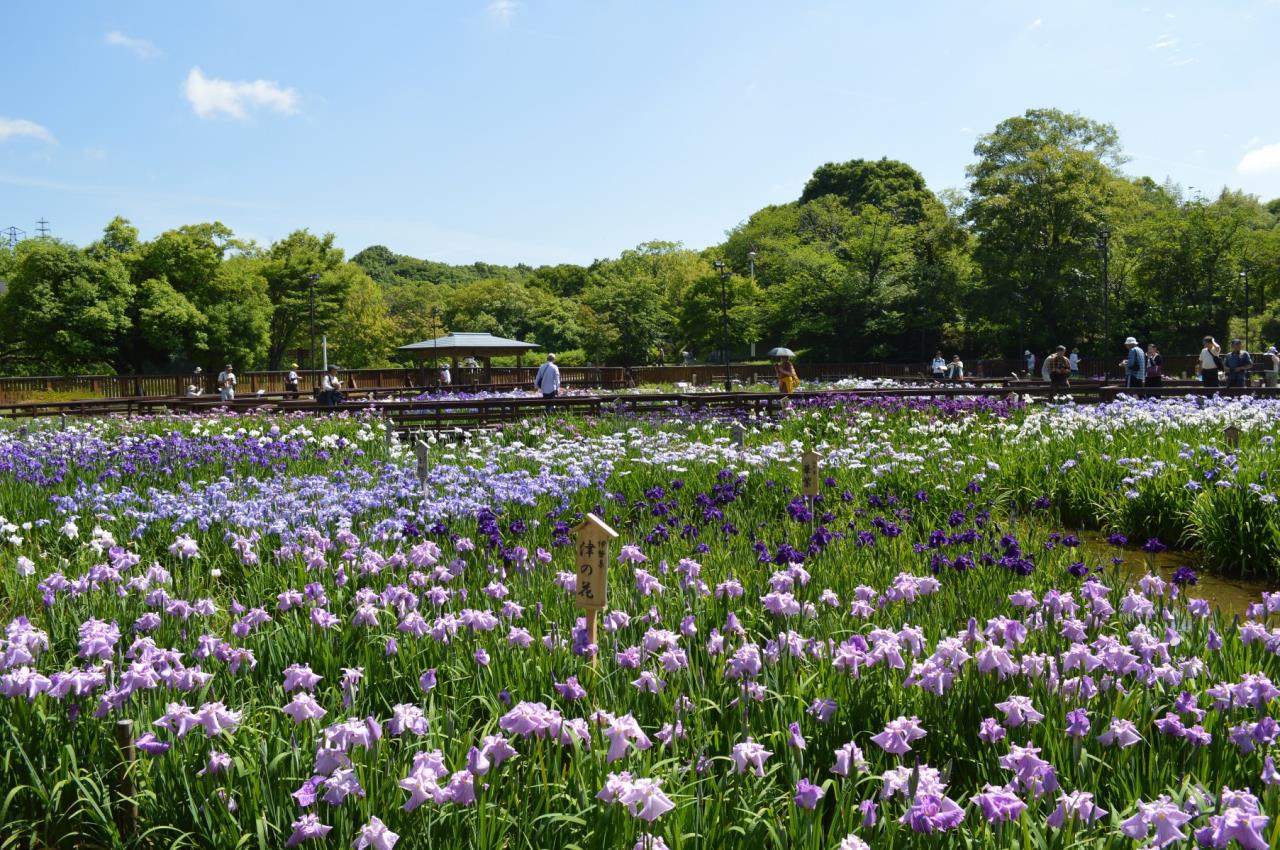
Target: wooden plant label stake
[
  {"x": 739, "y": 434},
  {"x": 809, "y": 472},
  {"x": 591, "y": 547},
  {"x": 424, "y": 461},
  {"x": 1232, "y": 433}
]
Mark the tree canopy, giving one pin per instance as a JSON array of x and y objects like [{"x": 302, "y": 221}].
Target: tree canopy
[{"x": 867, "y": 263}]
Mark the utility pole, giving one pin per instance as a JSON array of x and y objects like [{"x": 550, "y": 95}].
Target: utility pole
[
  {"x": 724, "y": 323},
  {"x": 42, "y": 228},
  {"x": 1104, "y": 248},
  {"x": 13, "y": 235},
  {"x": 1244, "y": 276},
  {"x": 311, "y": 280}
]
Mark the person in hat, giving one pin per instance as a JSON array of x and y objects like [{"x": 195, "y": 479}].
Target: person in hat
[
  {"x": 1238, "y": 365},
  {"x": 291, "y": 381},
  {"x": 227, "y": 384},
  {"x": 938, "y": 366},
  {"x": 785, "y": 371},
  {"x": 1272, "y": 361},
  {"x": 1074, "y": 359},
  {"x": 1134, "y": 364},
  {"x": 1059, "y": 368},
  {"x": 1210, "y": 362},
  {"x": 1031, "y": 362}
]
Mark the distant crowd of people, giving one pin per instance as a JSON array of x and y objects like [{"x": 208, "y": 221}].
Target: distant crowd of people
[
  {"x": 329, "y": 392},
  {"x": 1142, "y": 366}
]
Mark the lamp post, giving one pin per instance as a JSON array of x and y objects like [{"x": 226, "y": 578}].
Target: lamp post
[
  {"x": 1104, "y": 248},
  {"x": 435, "y": 343},
  {"x": 751, "y": 258},
  {"x": 724, "y": 323},
  {"x": 311, "y": 282},
  {"x": 1244, "y": 277}
]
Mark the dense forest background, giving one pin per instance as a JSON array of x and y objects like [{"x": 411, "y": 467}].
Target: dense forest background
[{"x": 867, "y": 264}]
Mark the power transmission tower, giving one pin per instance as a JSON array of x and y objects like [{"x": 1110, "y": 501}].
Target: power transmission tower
[
  {"x": 13, "y": 235},
  {"x": 42, "y": 228}
]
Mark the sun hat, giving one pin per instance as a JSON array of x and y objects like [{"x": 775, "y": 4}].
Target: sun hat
[
  {"x": 1130, "y": 341},
  {"x": 293, "y": 365}
]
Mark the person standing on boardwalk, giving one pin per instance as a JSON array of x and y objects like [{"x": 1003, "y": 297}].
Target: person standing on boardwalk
[
  {"x": 227, "y": 384},
  {"x": 547, "y": 381},
  {"x": 1031, "y": 363},
  {"x": 1210, "y": 362},
  {"x": 785, "y": 371},
  {"x": 291, "y": 382},
  {"x": 1059, "y": 367},
  {"x": 1272, "y": 360},
  {"x": 1238, "y": 365},
  {"x": 1074, "y": 359},
  {"x": 1134, "y": 364},
  {"x": 938, "y": 366},
  {"x": 1155, "y": 366}
]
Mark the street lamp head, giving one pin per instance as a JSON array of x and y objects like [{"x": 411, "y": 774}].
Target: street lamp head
[
  {"x": 751, "y": 255},
  {"x": 719, "y": 264},
  {"x": 1244, "y": 274}
]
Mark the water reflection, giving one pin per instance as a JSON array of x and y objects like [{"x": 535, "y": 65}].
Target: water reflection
[{"x": 1230, "y": 595}]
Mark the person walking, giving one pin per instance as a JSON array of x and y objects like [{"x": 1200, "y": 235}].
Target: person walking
[
  {"x": 785, "y": 371},
  {"x": 956, "y": 370},
  {"x": 1272, "y": 361},
  {"x": 1031, "y": 362},
  {"x": 1134, "y": 364},
  {"x": 1155, "y": 364},
  {"x": 1210, "y": 362},
  {"x": 1074, "y": 359},
  {"x": 291, "y": 382},
  {"x": 445, "y": 378},
  {"x": 227, "y": 384},
  {"x": 1238, "y": 365},
  {"x": 1059, "y": 368},
  {"x": 938, "y": 366},
  {"x": 547, "y": 381}
]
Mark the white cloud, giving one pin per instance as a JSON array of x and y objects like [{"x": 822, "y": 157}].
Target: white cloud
[
  {"x": 1036, "y": 24},
  {"x": 1165, "y": 41},
  {"x": 209, "y": 96},
  {"x": 12, "y": 128},
  {"x": 503, "y": 11},
  {"x": 1263, "y": 160},
  {"x": 95, "y": 153},
  {"x": 141, "y": 48}
]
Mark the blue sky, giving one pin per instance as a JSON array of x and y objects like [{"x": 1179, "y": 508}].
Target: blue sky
[{"x": 556, "y": 131}]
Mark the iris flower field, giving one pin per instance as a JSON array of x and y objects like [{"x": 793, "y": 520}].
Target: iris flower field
[{"x": 267, "y": 631}]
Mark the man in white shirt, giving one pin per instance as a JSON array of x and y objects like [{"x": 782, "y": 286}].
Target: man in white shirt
[
  {"x": 330, "y": 388},
  {"x": 1209, "y": 362},
  {"x": 1074, "y": 359},
  {"x": 445, "y": 378},
  {"x": 547, "y": 380},
  {"x": 227, "y": 384},
  {"x": 291, "y": 382}
]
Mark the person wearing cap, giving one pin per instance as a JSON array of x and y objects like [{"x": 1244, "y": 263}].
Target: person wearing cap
[
  {"x": 227, "y": 384},
  {"x": 1272, "y": 362},
  {"x": 547, "y": 381},
  {"x": 1059, "y": 368},
  {"x": 330, "y": 388},
  {"x": 1238, "y": 365},
  {"x": 1134, "y": 364},
  {"x": 938, "y": 366},
  {"x": 291, "y": 381}
]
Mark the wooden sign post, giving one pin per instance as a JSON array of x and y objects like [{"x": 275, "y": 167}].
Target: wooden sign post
[
  {"x": 739, "y": 434},
  {"x": 424, "y": 461},
  {"x": 591, "y": 546},
  {"x": 809, "y": 472},
  {"x": 1232, "y": 433}
]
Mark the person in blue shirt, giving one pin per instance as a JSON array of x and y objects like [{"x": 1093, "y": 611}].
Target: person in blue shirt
[
  {"x": 1238, "y": 365},
  {"x": 938, "y": 366},
  {"x": 1134, "y": 365}
]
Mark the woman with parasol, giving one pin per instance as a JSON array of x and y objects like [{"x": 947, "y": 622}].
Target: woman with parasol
[{"x": 785, "y": 370}]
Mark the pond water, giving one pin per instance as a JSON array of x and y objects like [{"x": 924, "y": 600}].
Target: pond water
[{"x": 1230, "y": 595}]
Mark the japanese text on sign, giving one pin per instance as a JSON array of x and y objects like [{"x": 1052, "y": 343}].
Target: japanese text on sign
[{"x": 591, "y": 549}]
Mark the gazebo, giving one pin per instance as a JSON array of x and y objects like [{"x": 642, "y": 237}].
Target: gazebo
[{"x": 481, "y": 346}]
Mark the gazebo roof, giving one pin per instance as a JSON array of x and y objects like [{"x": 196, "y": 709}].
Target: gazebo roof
[{"x": 479, "y": 344}]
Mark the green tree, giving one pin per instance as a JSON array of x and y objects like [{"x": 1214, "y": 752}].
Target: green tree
[
  {"x": 366, "y": 335},
  {"x": 1039, "y": 194},
  {"x": 886, "y": 184},
  {"x": 700, "y": 317},
  {"x": 65, "y": 310},
  {"x": 289, "y": 265}
]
